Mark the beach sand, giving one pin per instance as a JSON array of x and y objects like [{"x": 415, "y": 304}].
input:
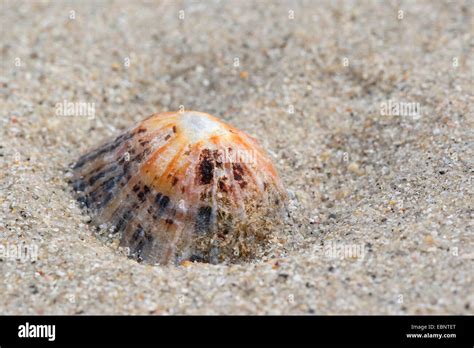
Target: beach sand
[{"x": 366, "y": 108}]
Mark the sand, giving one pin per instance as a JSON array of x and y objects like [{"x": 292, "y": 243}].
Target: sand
[{"x": 366, "y": 110}]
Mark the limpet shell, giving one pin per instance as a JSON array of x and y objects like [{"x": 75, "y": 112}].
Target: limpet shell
[{"x": 183, "y": 186}]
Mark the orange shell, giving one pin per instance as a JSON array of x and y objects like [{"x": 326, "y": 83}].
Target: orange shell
[{"x": 183, "y": 186}]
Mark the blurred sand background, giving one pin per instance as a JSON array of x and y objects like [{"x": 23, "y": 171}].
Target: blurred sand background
[{"x": 308, "y": 79}]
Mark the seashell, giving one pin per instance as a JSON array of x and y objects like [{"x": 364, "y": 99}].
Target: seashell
[{"x": 183, "y": 186}]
